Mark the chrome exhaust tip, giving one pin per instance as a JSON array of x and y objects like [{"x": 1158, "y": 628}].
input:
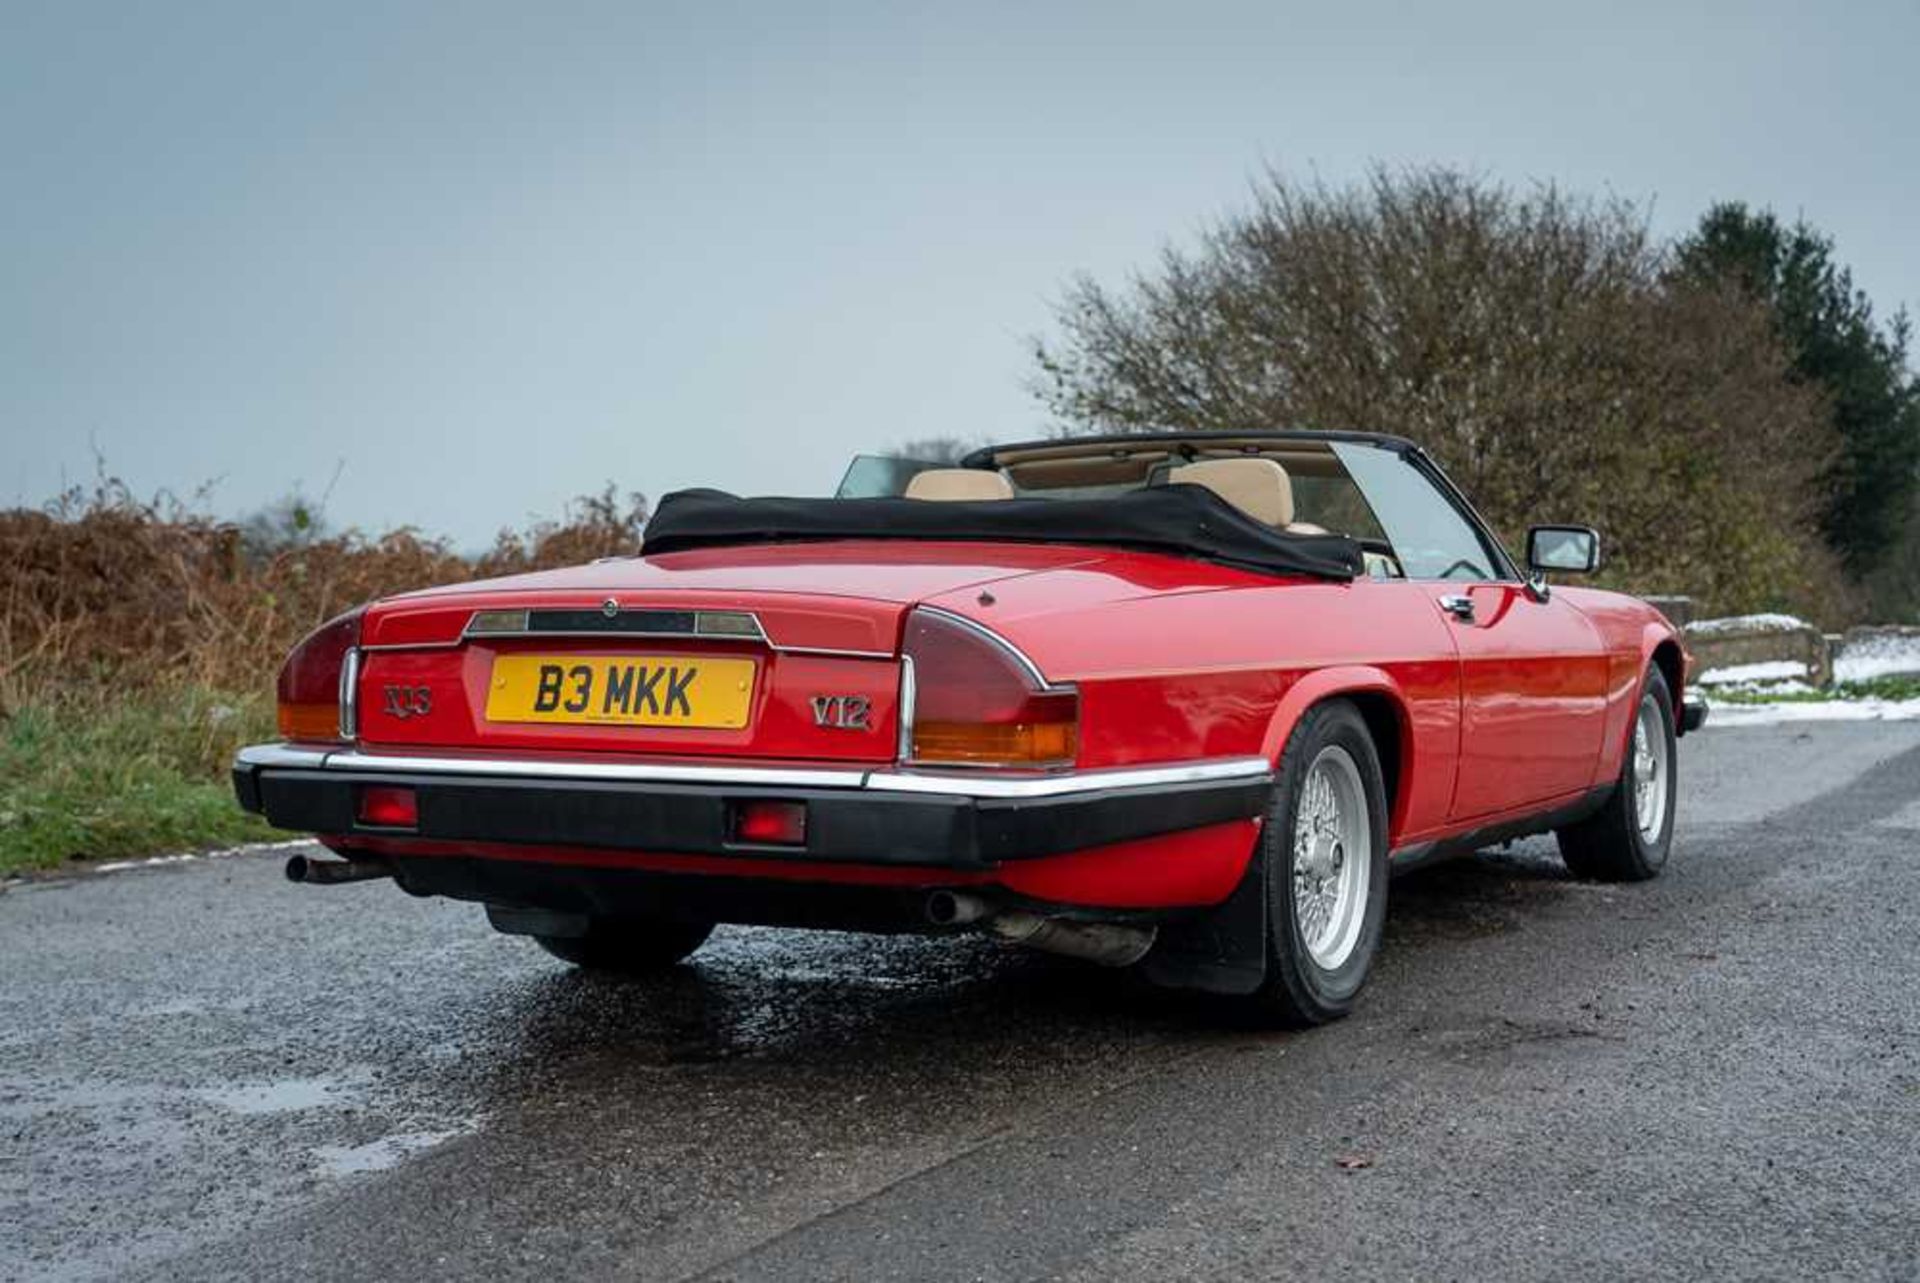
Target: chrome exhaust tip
[
  {"x": 955, "y": 908},
  {"x": 313, "y": 872}
]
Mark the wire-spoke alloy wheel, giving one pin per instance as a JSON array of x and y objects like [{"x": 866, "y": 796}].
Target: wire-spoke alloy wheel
[
  {"x": 1651, "y": 762},
  {"x": 1332, "y": 846},
  {"x": 1627, "y": 839},
  {"x": 1324, "y": 853}
]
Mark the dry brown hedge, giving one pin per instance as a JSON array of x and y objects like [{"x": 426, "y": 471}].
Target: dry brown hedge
[{"x": 103, "y": 590}]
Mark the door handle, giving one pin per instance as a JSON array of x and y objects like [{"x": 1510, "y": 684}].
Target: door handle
[{"x": 1459, "y": 606}]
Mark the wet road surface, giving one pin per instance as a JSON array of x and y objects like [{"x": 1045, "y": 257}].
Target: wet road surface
[{"x": 208, "y": 1072}]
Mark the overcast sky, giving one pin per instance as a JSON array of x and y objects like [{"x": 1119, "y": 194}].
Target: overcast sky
[{"x": 488, "y": 257}]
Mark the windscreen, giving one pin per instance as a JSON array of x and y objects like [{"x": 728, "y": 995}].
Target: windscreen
[
  {"x": 879, "y": 476},
  {"x": 1324, "y": 492}
]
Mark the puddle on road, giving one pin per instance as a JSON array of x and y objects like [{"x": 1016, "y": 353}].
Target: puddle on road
[
  {"x": 382, "y": 1154},
  {"x": 285, "y": 1095}
]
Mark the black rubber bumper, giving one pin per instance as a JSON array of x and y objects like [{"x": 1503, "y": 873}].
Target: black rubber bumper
[
  {"x": 1693, "y": 714},
  {"x": 869, "y": 826}
]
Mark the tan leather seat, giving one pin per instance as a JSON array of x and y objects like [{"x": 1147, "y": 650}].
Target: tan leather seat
[
  {"x": 950, "y": 484},
  {"x": 1258, "y": 487}
]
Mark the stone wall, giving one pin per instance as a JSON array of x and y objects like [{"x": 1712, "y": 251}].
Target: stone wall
[{"x": 1760, "y": 639}]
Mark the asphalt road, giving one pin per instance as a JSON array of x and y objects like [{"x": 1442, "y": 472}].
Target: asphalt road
[{"x": 208, "y": 1072}]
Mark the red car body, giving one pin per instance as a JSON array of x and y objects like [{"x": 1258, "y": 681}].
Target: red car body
[{"x": 1507, "y": 715}]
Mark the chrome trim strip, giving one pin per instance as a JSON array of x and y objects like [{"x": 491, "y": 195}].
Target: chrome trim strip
[
  {"x": 952, "y": 784},
  {"x": 1069, "y": 782},
  {"x": 909, "y": 694},
  {"x": 383, "y": 647},
  {"x": 280, "y": 755},
  {"x": 975, "y": 626},
  {"x": 826, "y": 651},
  {"x": 759, "y": 633},
  {"x": 830, "y": 652},
  {"x": 350, "y": 694},
  {"x": 702, "y": 623},
  {"x": 637, "y": 772}
]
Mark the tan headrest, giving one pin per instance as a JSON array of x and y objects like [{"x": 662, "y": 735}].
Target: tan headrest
[
  {"x": 1257, "y": 487},
  {"x": 959, "y": 483}
]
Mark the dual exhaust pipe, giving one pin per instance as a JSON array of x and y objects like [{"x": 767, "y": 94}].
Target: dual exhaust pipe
[{"x": 1110, "y": 944}]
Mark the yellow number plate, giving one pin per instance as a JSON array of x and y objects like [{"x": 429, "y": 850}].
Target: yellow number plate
[{"x": 626, "y": 690}]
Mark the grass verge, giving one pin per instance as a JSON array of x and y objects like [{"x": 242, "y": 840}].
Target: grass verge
[{"x": 86, "y": 776}]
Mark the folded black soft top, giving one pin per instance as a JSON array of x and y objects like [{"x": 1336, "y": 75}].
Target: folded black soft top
[{"x": 1185, "y": 520}]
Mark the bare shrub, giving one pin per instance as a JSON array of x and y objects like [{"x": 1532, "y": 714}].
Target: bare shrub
[{"x": 1534, "y": 343}]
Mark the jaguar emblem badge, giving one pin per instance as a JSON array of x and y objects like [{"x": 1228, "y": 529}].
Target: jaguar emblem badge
[
  {"x": 610, "y": 608},
  {"x": 842, "y": 712}
]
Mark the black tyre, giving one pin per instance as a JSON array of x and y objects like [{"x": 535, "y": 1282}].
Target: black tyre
[
  {"x": 1324, "y": 849},
  {"x": 1627, "y": 839},
  {"x": 629, "y": 946}
]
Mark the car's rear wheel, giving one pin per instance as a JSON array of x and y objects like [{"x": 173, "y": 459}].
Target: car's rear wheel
[
  {"x": 1325, "y": 855},
  {"x": 1627, "y": 839},
  {"x": 629, "y": 946}
]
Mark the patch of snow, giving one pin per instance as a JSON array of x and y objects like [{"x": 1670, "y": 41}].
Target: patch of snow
[
  {"x": 1764, "y": 690},
  {"x": 1771, "y": 670},
  {"x": 1828, "y": 710},
  {"x": 1746, "y": 624},
  {"x": 1877, "y": 657}
]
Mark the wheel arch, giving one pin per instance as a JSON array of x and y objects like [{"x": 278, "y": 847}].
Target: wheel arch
[
  {"x": 1382, "y": 705},
  {"x": 1673, "y": 666}
]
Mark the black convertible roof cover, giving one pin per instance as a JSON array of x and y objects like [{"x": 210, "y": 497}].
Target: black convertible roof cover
[{"x": 1184, "y": 520}]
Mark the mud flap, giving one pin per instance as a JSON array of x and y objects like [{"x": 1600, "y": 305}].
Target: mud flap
[{"x": 1223, "y": 950}]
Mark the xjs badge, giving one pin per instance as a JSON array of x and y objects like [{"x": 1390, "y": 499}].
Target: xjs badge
[{"x": 406, "y": 701}]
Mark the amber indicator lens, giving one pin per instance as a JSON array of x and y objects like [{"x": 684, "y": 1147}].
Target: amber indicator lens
[
  {"x": 769, "y": 823},
  {"x": 383, "y": 806},
  {"x": 308, "y": 693},
  {"x": 976, "y": 703}
]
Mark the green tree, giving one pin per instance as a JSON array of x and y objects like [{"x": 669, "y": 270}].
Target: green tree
[
  {"x": 1532, "y": 341},
  {"x": 1836, "y": 345}
]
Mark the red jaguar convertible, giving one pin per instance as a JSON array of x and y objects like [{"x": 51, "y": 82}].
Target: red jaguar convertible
[{"x": 1180, "y": 701}]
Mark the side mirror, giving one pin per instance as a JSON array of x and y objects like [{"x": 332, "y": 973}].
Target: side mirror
[{"x": 1566, "y": 548}]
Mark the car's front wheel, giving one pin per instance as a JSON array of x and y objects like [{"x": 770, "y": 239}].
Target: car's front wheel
[
  {"x": 629, "y": 946},
  {"x": 1325, "y": 854},
  {"x": 1627, "y": 839}
]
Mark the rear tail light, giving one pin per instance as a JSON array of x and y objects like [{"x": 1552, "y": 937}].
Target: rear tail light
[
  {"x": 316, "y": 688},
  {"x": 979, "y": 702}
]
